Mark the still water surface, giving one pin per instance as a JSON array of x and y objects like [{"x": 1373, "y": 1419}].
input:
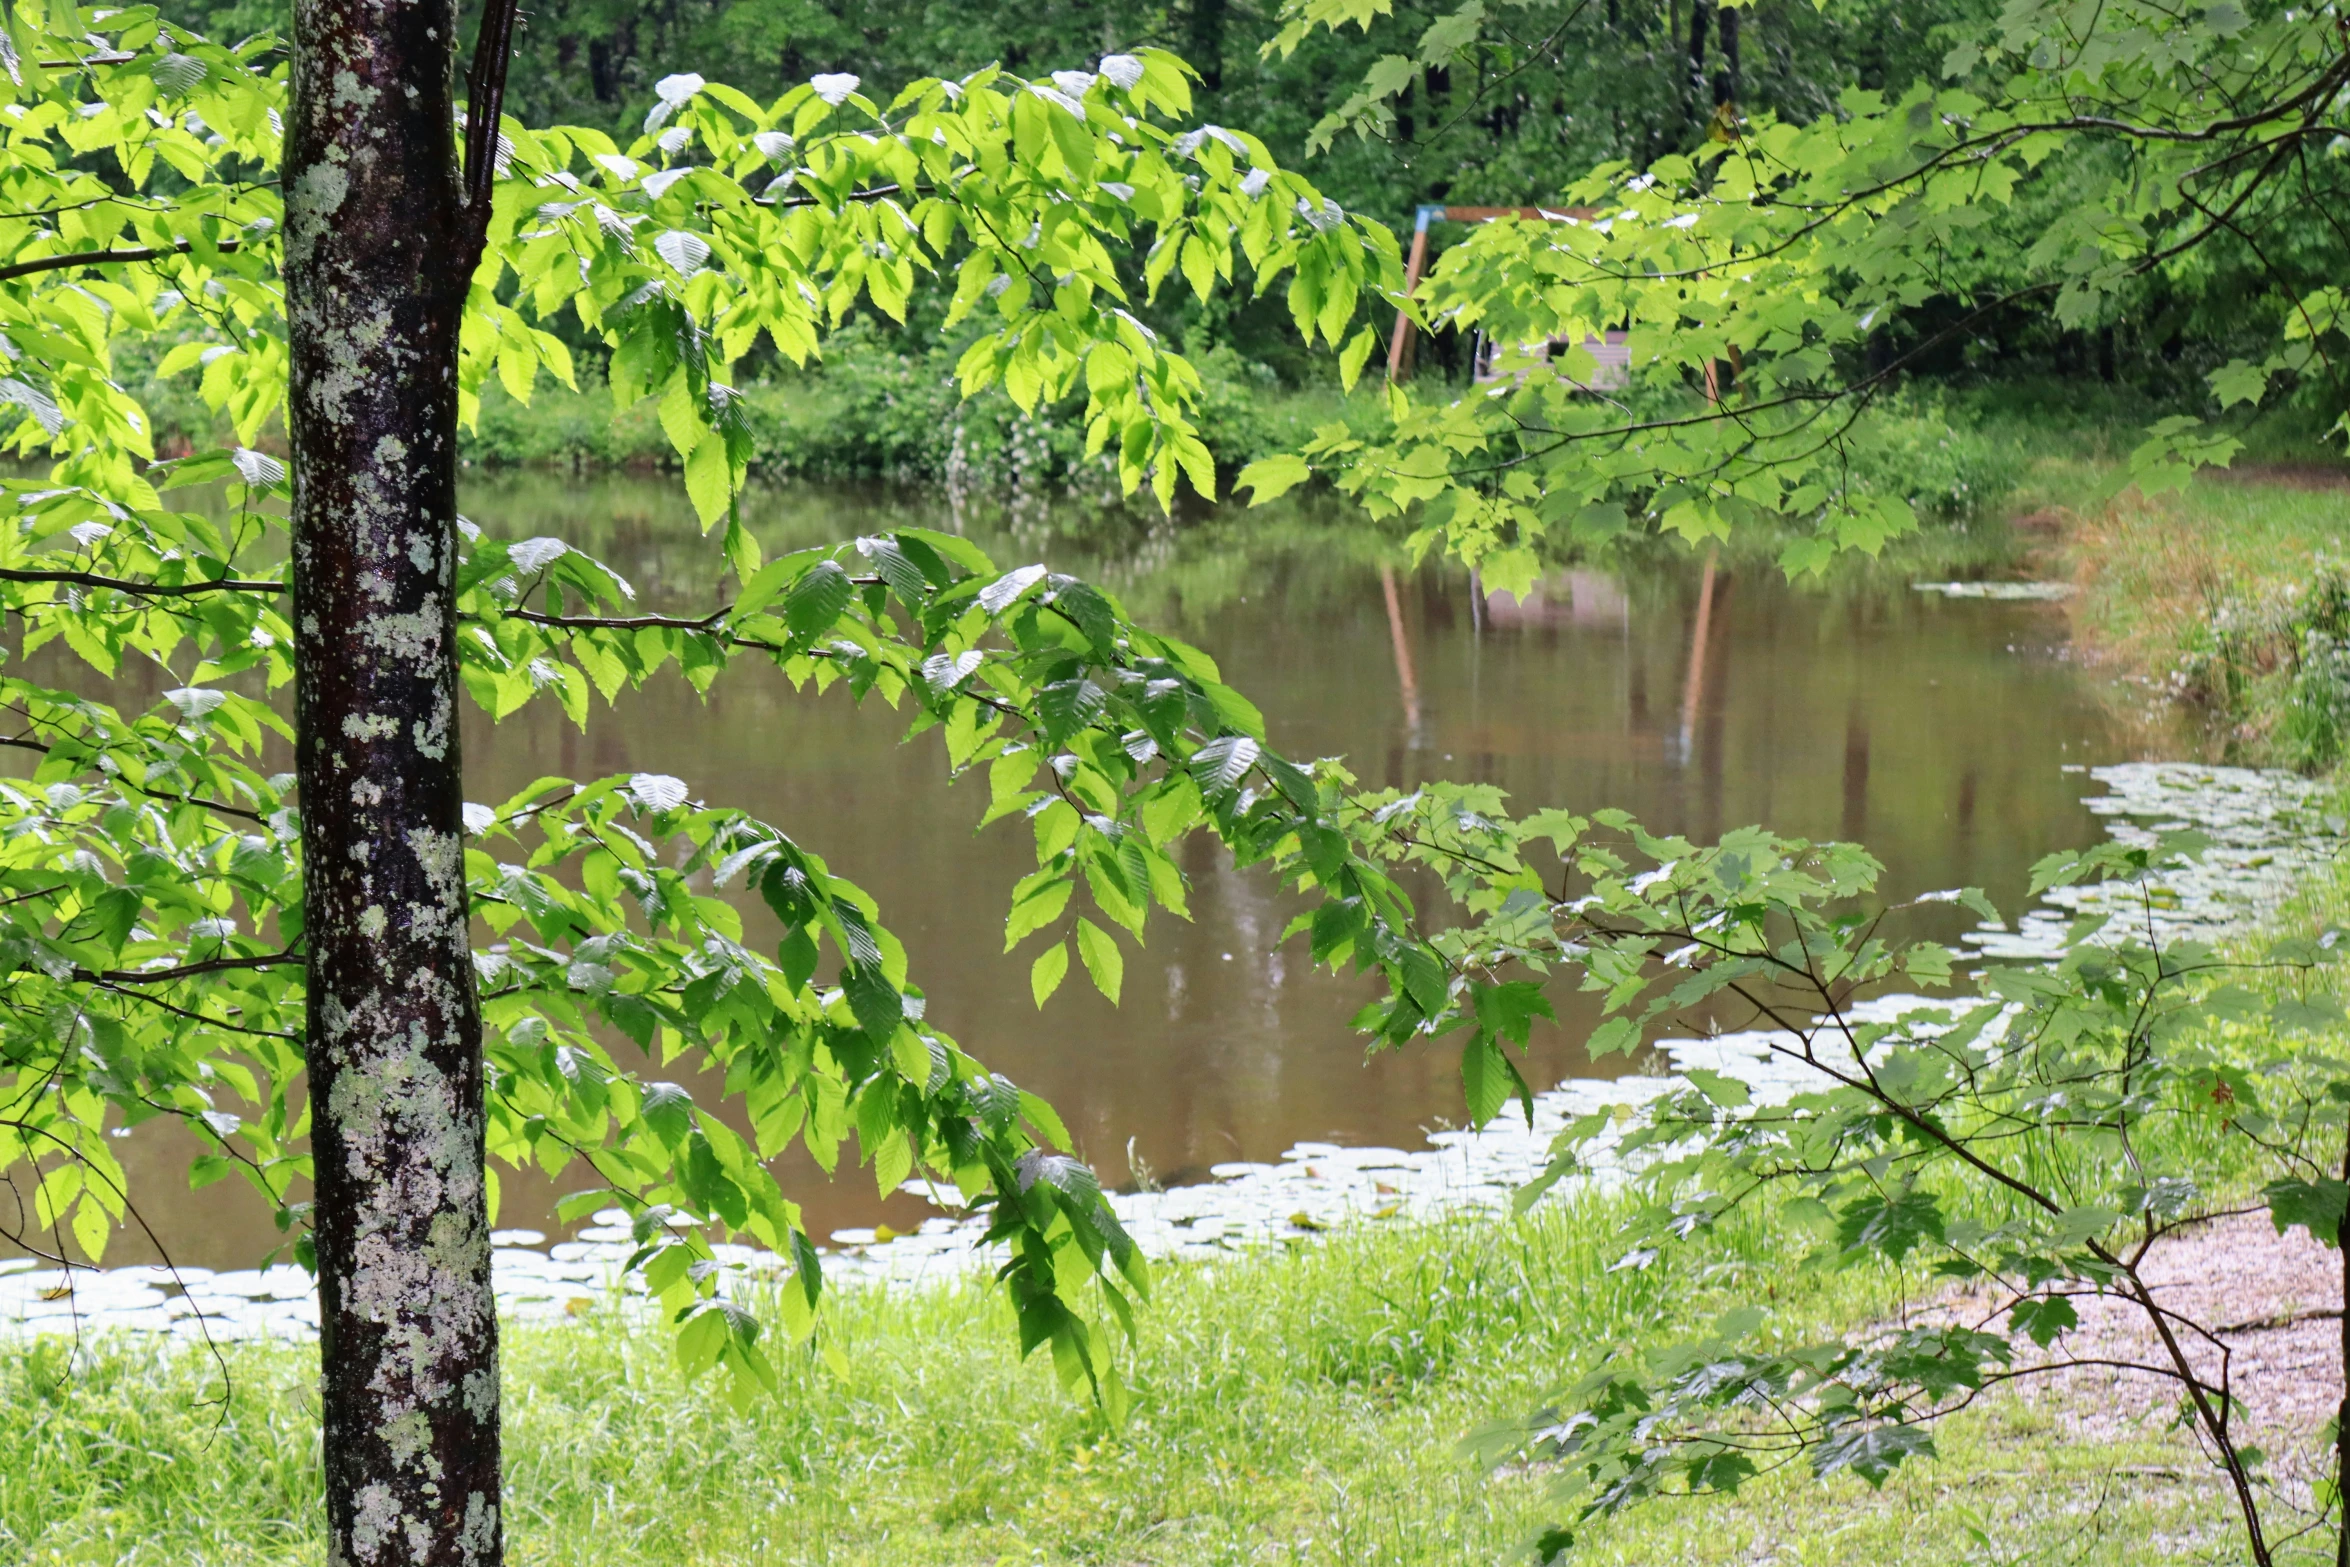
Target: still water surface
[{"x": 1946, "y": 735}]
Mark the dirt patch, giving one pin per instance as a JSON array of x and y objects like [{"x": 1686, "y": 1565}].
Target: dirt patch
[
  {"x": 2285, "y": 475},
  {"x": 2274, "y": 1305}
]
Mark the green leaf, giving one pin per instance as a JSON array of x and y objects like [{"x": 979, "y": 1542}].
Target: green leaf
[
  {"x": 1489, "y": 1079},
  {"x": 879, "y": 1010},
  {"x": 1891, "y": 1224},
  {"x": 1220, "y": 764},
  {"x": 668, "y": 1110},
  {"x": 1508, "y": 1010},
  {"x": 2238, "y": 382},
  {"x": 1352, "y": 358},
  {"x": 2317, "y": 1206},
  {"x": 700, "y": 1340},
  {"x": 1047, "y": 972},
  {"x": 1037, "y": 910},
  {"x": 1871, "y": 1452},
  {"x": 91, "y": 1228},
  {"x": 2043, "y": 1318},
  {"x": 817, "y": 599},
  {"x": 1102, "y": 959},
  {"x": 1272, "y": 477},
  {"x": 1728, "y": 1092}
]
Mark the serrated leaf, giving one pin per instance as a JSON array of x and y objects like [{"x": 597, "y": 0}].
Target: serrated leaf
[
  {"x": 1220, "y": 764},
  {"x": 688, "y": 253},
  {"x": 1102, "y": 958},
  {"x": 1005, "y": 591},
  {"x": 1271, "y": 477},
  {"x": 1047, "y": 972},
  {"x": 817, "y": 599},
  {"x": 2317, "y": 1206}
]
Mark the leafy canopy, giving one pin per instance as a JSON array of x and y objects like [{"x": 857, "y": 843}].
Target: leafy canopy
[{"x": 2071, "y": 153}]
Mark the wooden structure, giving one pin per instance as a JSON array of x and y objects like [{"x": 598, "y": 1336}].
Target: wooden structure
[{"x": 1611, "y": 351}]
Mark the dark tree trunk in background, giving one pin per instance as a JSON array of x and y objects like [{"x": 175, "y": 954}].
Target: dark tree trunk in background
[
  {"x": 1729, "y": 87},
  {"x": 1207, "y": 41},
  {"x": 604, "y": 59},
  {"x": 378, "y": 253},
  {"x": 1693, "y": 78}
]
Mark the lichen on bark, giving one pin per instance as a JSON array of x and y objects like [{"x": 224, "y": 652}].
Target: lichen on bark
[{"x": 378, "y": 257}]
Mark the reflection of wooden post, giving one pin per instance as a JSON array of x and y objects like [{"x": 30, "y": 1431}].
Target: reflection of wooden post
[
  {"x": 1399, "y": 347},
  {"x": 1403, "y": 650},
  {"x": 1693, "y": 691},
  {"x": 1855, "y": 823}
]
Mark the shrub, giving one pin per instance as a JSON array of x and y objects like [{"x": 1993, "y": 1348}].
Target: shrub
[
  {"x": 1908, "y": 446},
  {"x": 2274, "y": 666}
]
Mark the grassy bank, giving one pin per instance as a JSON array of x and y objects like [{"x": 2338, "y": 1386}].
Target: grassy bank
[
  {"x": 2230, "y": 597},
  {"x": 1299, "y": 1408}
]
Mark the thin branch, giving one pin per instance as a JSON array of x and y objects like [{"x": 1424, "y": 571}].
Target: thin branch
[
  {"x": 100, "y": 258},
  {"x": 160, "y": 976},
  {"x": 89, "y": 579}
]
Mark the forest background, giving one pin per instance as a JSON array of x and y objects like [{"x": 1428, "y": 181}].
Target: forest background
[
  {"x": 1470, "y": 106},
  {"x": 1362, "y": 1367}
]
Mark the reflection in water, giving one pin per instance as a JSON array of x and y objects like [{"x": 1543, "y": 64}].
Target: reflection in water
[
  {"x": 1860, "y": 710},
  {"x": 1404, "y": 677},
  {"x": 1700, "y": 645}
]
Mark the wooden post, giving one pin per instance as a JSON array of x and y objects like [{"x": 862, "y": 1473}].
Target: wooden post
[{"x": 1399, "y": 346}]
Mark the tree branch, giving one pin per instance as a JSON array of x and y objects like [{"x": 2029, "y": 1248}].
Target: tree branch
[
  {"x": 88, "y": 579},
  {"x": 161, "y": 976},
  {"x": 100, "y": 258}
]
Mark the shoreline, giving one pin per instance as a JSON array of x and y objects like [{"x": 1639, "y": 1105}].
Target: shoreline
[{"x": 2266, "y": 831}]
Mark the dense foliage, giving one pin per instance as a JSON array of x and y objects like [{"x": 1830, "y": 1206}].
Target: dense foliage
[
  {"x": 151, "y": 913},
  {"x": 2074, "y": 156},
  {"x": 2027, "y": 1141},
  {"x": 1471, "y": 107}
]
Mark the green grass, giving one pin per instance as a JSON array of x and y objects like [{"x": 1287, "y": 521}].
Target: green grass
[
  {"x": 2223, "y": 596},
  {"x": 1297, "y": 1408},
  {"x": 2155, "y": 567}
]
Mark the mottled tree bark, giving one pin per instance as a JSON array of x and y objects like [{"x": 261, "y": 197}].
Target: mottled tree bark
[{"x": 377, "y": 261}]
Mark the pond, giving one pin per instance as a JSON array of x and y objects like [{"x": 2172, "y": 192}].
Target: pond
[{"x": 1951, "y": 736}]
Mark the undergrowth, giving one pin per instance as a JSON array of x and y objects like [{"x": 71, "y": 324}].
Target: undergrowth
[{"x": 1300, "y": 1407}]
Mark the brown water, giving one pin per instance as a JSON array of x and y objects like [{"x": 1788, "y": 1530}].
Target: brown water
[{"x": 1940, "y": 733}]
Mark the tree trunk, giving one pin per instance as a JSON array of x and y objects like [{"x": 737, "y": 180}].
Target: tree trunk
[
  {"x": 1729, "y": 85},
  {"x": 1207, "y": 41},
  {"x": 377, "y": 262},
  {"x": 1693, "y": 103}
]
